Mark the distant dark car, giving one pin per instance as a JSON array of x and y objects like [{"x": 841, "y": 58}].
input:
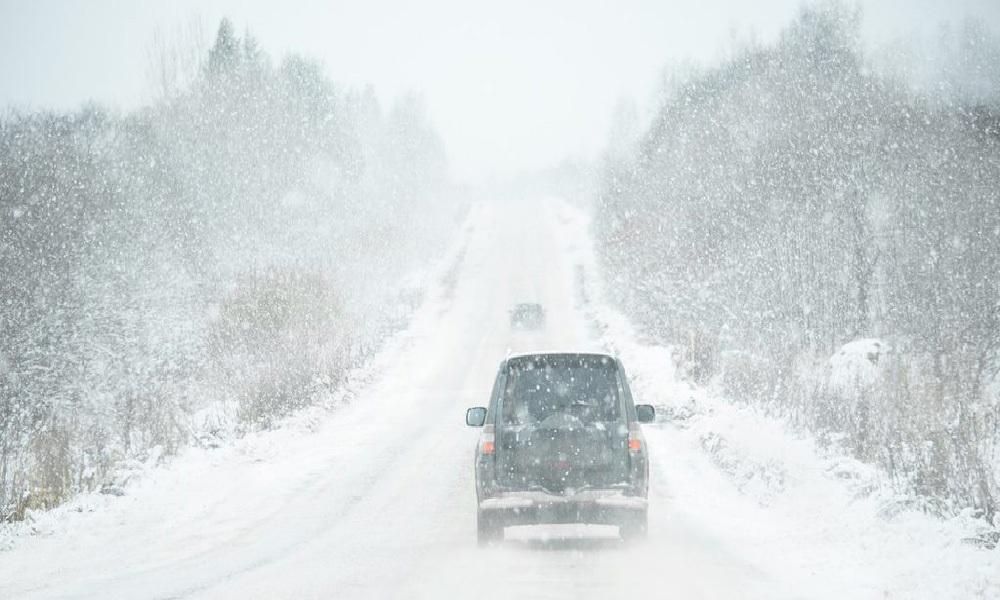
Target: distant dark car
[
  {"x": 561, "y": 443},
  {"x": 527, "y": 315}
]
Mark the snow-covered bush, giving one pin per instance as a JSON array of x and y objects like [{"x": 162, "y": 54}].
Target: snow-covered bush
[{"x": 273, "y": 336}]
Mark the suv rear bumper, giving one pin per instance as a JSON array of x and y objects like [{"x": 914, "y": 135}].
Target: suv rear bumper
[{"x": 597, "y": 507}]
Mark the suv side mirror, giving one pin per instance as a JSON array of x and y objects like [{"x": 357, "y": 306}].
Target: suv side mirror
[
  {"x": 475, "y": 417},
  {"x": 645, "y": 413}
]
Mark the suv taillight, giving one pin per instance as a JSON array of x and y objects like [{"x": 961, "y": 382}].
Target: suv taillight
[
  {"x": 635, "y": 440},
  {"x": 487, "y": 442}
]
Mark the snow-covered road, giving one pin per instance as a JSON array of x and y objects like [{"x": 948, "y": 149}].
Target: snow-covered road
[{"x": 375, "y": 499}]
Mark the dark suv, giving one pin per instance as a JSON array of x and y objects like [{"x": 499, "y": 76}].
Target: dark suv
[
  {"x": 561, "y": 443},
  {"x": 527, "y": 315}
]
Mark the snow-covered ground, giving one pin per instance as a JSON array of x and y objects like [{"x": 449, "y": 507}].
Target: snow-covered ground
[{"x": 374, "y": 498}]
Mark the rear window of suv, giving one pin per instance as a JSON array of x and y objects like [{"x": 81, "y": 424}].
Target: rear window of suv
[{"x": 537, "y": 387}]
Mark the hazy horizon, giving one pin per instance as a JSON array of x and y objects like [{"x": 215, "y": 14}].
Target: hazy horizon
[{"x": 508, "y": 88}]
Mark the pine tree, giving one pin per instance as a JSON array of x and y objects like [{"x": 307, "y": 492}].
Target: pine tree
[{"x": 225, "y": 55}]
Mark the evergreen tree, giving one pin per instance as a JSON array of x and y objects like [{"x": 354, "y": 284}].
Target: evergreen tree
[{"x": 225, "y": 55}]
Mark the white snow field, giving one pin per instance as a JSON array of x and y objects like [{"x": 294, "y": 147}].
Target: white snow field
[{"x": 375, "y": 499}]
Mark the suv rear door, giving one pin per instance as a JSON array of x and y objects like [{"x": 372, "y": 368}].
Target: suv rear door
[{"x": 561, "y": 424}]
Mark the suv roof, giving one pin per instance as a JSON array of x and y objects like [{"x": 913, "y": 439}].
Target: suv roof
[{"x": 561, "y": 354}]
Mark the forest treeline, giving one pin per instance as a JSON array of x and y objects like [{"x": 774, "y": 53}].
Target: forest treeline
[
  {"x": 795, "y": 199},
  {"x": 200, "y": 266}
]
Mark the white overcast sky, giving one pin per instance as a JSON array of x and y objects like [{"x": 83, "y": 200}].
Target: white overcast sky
[{"x": 509, "y": 85}]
